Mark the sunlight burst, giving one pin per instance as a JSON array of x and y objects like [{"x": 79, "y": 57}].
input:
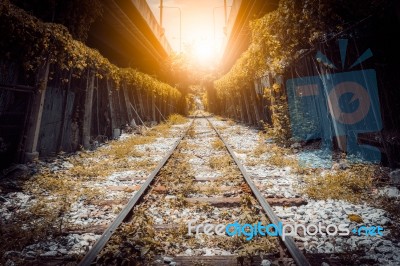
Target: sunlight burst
[{"x": 203, "y": 52}]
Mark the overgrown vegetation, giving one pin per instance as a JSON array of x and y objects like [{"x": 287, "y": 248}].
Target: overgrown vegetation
[
  {"x": 168, "y": 209},
  {"x": 176, "y": 119},
  {"x": 53, "y": 192},
  {"x": 51, "y": 198},
  {"x": 276, "y": 156},
  {"x": 261, "y": 148},
  {"x": 191, "y": 132},
  {"x": 177, "y": 175},
  {"x": 163, "y": 129},
  {"x": 132, "y": 244},
  {"x": 76, "y": 15},
  {"x": 277, "y": 40},
  {"x": 217, "y": 144},
  {"x": 220, "y": 162},
  {"x": 352, "y": 184},
  {"x": 115, "y": 157},
  {"x": 32, "y": 43}
]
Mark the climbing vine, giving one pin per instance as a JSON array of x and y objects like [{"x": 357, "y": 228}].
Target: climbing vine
[
  {"x": 76, "y": 15},
  {"x": 277, "y": 40},
  {"x": 28, "y": 40}
]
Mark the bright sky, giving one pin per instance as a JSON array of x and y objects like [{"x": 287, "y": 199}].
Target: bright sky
[{"x": 198, "y": 24}]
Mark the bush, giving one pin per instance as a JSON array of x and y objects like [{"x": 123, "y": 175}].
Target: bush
[
  {"x": 352, "y": 184},
  {"x": 176, "y": 119}
]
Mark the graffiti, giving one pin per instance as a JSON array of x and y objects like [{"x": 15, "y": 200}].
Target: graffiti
[{"x": 337, "y": 105}]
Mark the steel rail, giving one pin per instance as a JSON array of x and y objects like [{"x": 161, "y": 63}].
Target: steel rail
[
  {"x": 294, "y": 251},
  {"x": 102, "y": 241}
]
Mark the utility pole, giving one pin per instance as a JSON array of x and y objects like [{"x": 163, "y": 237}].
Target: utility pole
[
  {"x": 180, "y": 24},
  {"x": 225, "y": 12},
  {"x": 226, "y": 18},
  {"x": 161, "y": 10}
]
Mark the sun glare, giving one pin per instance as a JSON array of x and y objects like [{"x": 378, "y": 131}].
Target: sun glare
[{"x": 203, "y": 52}]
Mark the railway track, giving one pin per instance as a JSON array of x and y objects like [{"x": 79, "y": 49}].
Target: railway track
[{"x": 174, "y": 217}]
